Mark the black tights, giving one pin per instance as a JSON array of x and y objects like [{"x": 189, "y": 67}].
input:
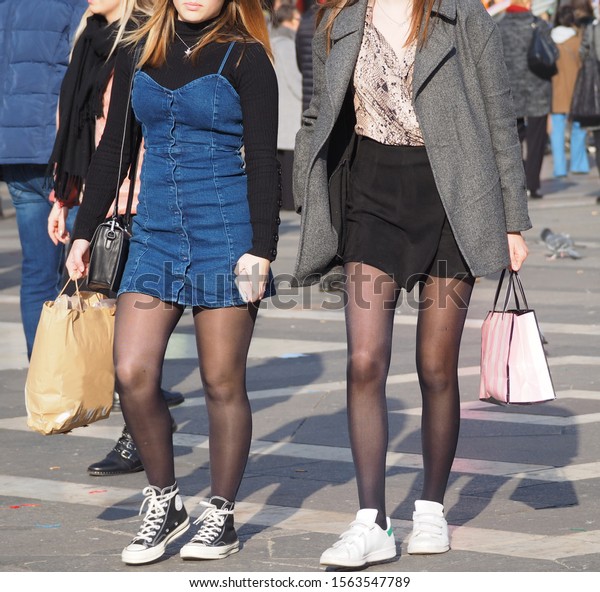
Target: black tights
[
  {"x": 143, "y": 327},
  {"x": 371, "y": 298}
]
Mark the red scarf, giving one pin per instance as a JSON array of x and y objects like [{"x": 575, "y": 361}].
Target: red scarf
[{"x": 515, "y": 8}]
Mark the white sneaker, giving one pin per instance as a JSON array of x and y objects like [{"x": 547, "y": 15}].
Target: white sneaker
[
  {"x": 430, "y": 529},
  {"x": 364, "y": 542}
]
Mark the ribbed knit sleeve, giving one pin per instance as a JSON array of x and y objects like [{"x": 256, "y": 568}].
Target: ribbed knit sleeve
[{"x": 256, "y": 84}]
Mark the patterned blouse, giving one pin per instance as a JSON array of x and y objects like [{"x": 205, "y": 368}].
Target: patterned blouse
[{"x": 383, "y": 90}]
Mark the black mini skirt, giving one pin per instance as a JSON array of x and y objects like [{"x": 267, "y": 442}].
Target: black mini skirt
[{"x": 395, "y": 220}]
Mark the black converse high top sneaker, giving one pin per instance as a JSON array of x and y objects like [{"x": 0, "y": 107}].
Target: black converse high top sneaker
[
  {"x": 216, "y": 538},
  {"x": 166, "y": 519}
]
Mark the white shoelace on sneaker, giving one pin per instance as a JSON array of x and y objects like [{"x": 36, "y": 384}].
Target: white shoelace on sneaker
[
  {"x": 212, "y": 520},
  {"x": 155, "y": 514}
]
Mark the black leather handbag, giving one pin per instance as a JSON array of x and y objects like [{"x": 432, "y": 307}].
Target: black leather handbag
[
  {"x": 109, "y": 247},
  {"x": 110, "y": 244},
  {"x": 542, "y": 53},
  {"x": 108, "y": 254}
]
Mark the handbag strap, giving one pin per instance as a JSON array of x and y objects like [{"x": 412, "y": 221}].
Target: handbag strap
[
  {"x": 517, "y": 284},
  {"x": 514, "y": 283},
  {"x": 135, "y": 150},
  {"x": 498, "y": 289},
  {"x": 134, "y": 154}
]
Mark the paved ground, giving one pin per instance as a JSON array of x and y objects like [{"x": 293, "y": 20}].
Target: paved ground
[{"x": 523, "y": 496}]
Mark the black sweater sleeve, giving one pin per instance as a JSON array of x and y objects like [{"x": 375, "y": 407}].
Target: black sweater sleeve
[
  {"x": 251, "y": 73},
  {"x": 256, "y": 83}
]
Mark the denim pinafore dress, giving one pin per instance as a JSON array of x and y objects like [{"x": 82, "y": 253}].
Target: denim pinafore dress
[{"x": 193, "y": 218}]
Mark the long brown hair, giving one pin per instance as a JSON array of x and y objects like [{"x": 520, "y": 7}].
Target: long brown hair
[
  {"x": 416, "y": 32},
  {"x": 240, "y": 20}
]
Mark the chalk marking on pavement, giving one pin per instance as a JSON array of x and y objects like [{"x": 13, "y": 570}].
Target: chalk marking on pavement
[{"x": 548, "y": 547}]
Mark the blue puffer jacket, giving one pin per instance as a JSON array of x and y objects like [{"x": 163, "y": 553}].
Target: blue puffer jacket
[{"x": 35, "y": 43}]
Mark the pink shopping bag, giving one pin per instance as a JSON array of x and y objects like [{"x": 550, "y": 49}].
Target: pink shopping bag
[{"x": 514, "y": 369}]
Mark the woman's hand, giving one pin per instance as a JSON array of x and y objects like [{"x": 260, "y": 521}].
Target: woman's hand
[
  {"x": 78, "y": 260},
  {"x": 252, "y": 275},
  {"x": 517, "y": 249},
  {"x": 57, "y": 224}
]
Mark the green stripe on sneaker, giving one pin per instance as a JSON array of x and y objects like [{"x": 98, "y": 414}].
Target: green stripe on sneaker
[{"x": 390, "y": 531}]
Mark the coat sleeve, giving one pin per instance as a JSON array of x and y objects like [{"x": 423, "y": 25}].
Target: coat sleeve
[
  {"x": 302, "y": 150},
  {"x": 493, "y": 80}
]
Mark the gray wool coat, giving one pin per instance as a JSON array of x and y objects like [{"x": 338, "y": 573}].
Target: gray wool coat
[{"x": 463, "y": 104}]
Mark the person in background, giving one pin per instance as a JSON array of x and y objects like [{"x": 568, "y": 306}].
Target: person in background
[
  {"x": 37, "y": 39},
  {"x": 568, "y": 40},
  {"x": 205, "y": 233},
  {"x": 289, "y": 81},
  {"x": 436, "y": 198},
  {"x": 532, "y": 95}
]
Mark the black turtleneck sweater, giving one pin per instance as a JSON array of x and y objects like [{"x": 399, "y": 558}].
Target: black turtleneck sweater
[{"x": 251, "y": 73}]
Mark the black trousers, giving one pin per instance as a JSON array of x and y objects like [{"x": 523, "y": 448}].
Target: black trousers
[{"x": 533, "y": 131}]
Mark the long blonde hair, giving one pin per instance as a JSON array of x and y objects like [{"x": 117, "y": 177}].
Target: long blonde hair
[
  {"x": 134, "y": 11},
  {"x": 240, "y": 20},
  {"x": 416, "y": 32}
]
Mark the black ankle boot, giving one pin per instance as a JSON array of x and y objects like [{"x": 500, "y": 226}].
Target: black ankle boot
[{"x": 121, "y": 460}]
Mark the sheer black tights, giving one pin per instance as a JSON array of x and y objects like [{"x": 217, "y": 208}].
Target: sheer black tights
[
  {"x": 371, "y": 298},
  {"x": 142, "y": 331}
]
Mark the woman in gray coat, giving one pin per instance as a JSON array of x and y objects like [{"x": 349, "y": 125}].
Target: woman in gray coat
[{"x": 436, "y": 196}]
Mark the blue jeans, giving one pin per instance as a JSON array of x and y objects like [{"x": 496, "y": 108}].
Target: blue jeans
[
  {"x": 42, "y": 264},
  {"x": 579, "y": 156}
]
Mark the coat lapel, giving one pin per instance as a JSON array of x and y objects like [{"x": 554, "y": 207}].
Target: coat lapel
[
  {"x": 346, "y": 37},
  {"x": 438, "y": 46}
]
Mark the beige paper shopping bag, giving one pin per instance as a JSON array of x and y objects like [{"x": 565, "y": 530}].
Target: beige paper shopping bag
[{"x": 71, "y": 377}]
